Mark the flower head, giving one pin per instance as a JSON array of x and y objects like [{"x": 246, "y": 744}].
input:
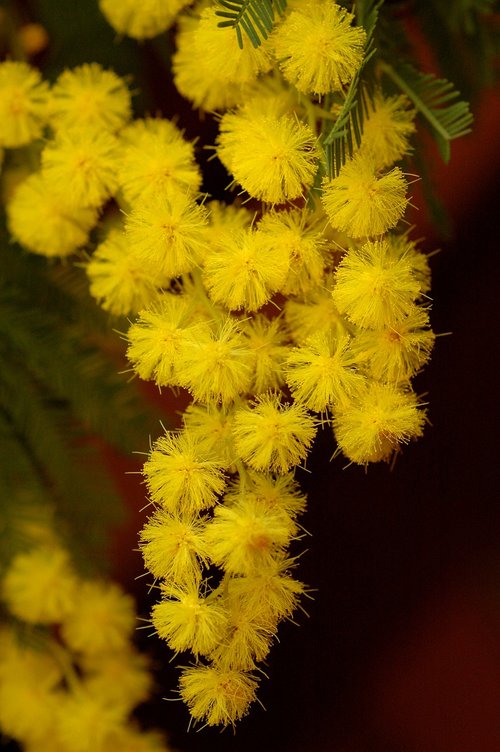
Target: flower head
[
  {"x": 271, "y": 436},
  {"x": 89, "y": 96},
  {"x": 143, "y": 20},
  {"x": 373, "y": 287},
  {"x": 23, "y": 104},
  {"x": 273, "y": 158},
  {"x": 361, "y": 202},
  {"x": 42, "y": 221},
  {"x": 318, "y": 48},
  {"x": 387, "y": 129},
  {"x": 218, "y": 696}
]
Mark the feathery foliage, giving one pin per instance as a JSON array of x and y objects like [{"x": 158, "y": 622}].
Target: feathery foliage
[
  {"x": 255, "y": 17},
  {"x": 435, "y": 100}
]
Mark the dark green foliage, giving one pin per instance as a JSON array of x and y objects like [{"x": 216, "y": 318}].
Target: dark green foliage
[
  {"x": 61, "y": 393},
  {"x": 254, "y": 17},
  {"x": 436, "y": 102}
]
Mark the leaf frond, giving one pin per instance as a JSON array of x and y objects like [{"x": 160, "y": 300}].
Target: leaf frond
[
  {"x": 435, "y": 100},
  {"x": 255, "y": 17}
]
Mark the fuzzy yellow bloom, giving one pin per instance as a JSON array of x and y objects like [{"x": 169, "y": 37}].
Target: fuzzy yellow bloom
[
  {"x": 273, "y": 158},
  {"x": 387, "y": 129},
  {"x": 156, "y": 336},
  {"x": 321, "y": 372},
  {"x": 224, "y": 219},
  {"x": 397, "y": 352},
  {"x": 400, "y": 246},
  {"x": 247, "y": 639},
  {"x": 361, "y": 202},
  {"x": 271, "y": 590},
  {"x": 271, "y": 436},
  {"x": 167, "y": 232},
  {"x": 81, "y": 166},
  {"x": 267, "y": 340},
  {"x": 313, "y": 314},
  {"x": 157, "y": 159},
  {"x": 102, "y": 621},
  {"x": 374, "y": 425},
  {"x": 118, "y": 281},
  {"x": 180, "y": 477},
  {"x": 89, "y": 96},
  {"x": 189, "y": 621},
  {"x": 209, "y": 67},
  {"x": 318, "y": 48},
  {"x": 211, "y": 427},
  {"x": 274, "y": 492},
  {"x": 194, "y": 76},
  {"x": 374, "y": 288},
  {"x": 296, "y": 233},
  {"x": 244, "y": 270},
  {"x": 42, "y": 221},
  {"x": 217, "y": 696},
  {"x": 86, "y": 722},
  {"x": 215, "y": 362},
  {"x": 143, "y": 20},
  {"x": 40, "y": 586},
  {"x": 173, "y": 546},
  {"x": 23, "y": 104},
  {"x": 244, "y": 536},
  {"x": 121, "y": 677}
]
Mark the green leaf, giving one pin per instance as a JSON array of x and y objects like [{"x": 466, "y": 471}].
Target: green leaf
[
  {"x": 254, "y": 17},
  {"x": 435, "y": 100}
]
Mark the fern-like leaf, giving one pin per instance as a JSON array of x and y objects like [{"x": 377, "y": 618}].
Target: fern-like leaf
[
  {"x": 435, "y": 100},
  {"x": 347, "y": 130},
  {"x": 254, "y": 17}
]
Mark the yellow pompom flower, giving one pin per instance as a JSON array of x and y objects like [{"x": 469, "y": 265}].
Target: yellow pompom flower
[
  {"x": 373, "y": 426},
  {"x": 173, "y": 546},
  {"x": 167, "y": 232},
  {"x": 217, "y": 696},
  {"x": 43, "y": 222},
  {"x": 215, "y": 362},
  {"x": 89, "y": 96},
  {"x": 397, "y": 352},
  {"x": 244, "y": 270},
  {"x": 280, "y": 492},
  {"x": 143, "y": 20},
  {"x": 189, "y": 621},
  {"x": 387, "y": 129},
  {"x": 157, "y": 159},
  {"x": 321, "y": 372},
  {"x": 315, "y": 313},
  {"x": 211, "y": 427},
  {"x": 23, "y": 104},
  {"x": 118, "y": 281},
  {"x": 40, "y": 586},
  {"x": 210, "y": 68},
  {"x": 271, "y": 436},
  {"x": 361, "y": 202},
  {"x": 273, "y": 158},
  {"x": 121, "y": 677},
  {"x": 156, "y": 337},
  {"x": 270, "y": 590},
  {"x": 373, "y": 288},
  {"x": 225, "y": 219},
  {"x": 318, "y": 48},
  {"x": 267, "y": 340},
  {"x": 81, "y": 165},
  {"x": 86, "y": 722},
  {"x": 180, "y": 477},
  {"x": 246, "y": 535},
  {"x": 297, "y": 234},
  {"x": 247, "y": 639},
  {"x": 102, "y": 621},
  {"x": 401, "y": 246},
  {"x": 194, "y": 76}
]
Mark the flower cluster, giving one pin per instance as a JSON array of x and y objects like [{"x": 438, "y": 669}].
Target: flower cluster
[
  {"x": 70, "y": 676},
  {"x": 308, "y": 308}
]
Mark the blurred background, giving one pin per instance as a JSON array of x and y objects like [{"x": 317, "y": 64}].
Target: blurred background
[{"x": 400, "y": 648}]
